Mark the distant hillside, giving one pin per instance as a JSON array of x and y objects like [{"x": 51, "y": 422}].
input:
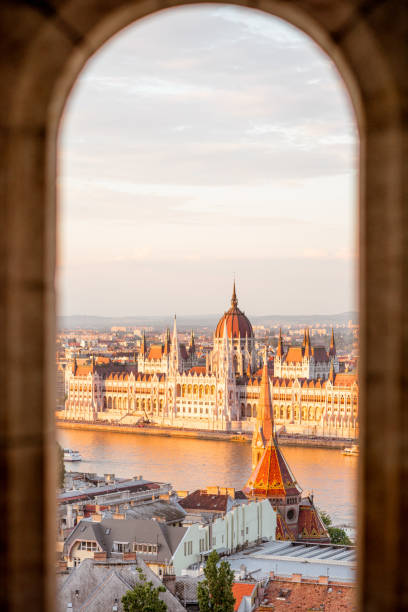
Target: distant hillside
[{"x": 195, "y": 321}]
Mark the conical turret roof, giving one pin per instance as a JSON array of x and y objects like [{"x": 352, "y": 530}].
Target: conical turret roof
[{"x": 272, "y": 476}]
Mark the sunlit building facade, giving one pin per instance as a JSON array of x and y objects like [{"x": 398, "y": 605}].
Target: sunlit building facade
[{"x": 166, "y": 385}]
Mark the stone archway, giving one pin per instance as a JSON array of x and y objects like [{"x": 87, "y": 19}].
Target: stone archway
[{"x": 45, "y": 46}]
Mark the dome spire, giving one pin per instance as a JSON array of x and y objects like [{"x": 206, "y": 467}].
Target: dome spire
[{"x": 234, "y": 300}]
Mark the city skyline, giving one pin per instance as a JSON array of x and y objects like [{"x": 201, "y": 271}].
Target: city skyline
[{"x": 228, "y": 149}]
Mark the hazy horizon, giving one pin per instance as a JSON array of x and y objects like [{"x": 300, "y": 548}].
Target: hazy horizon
[{"x": 199, "y": 144}]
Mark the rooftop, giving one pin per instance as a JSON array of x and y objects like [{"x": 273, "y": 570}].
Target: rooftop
[{"x": 287, "y": 558}]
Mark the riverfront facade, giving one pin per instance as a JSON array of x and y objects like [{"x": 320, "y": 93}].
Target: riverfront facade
[{"x": 168, "y": 385}]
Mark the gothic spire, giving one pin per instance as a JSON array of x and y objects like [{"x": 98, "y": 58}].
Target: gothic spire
[
  {"x": 331, "y": 373},
  {"x": 175, "y": 358},
  {"x": 308, "y": 344},
  {"x": 143, "y": 347},
  {"x": 192, "y": 344},
  {"x": 167, "y": 343},
  {"x": 279, "y": 348},
  {"x": 265, "y": 411},
  {"x": 234, "y": 299},
  {"x": 332, "y": 349}
]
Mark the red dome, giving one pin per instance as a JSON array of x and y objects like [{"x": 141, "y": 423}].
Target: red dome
[{"x": 238, "y": 325}]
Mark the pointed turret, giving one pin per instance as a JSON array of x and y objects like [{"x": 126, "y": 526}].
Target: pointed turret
[
  {"x": 207, "y": 363},
  {"x": 304, "y": 338},
  {"x": 271, "y": 476},
  {"x": 191, "y": 348},
  {"x": 234, "y": 300},
  {"x": 332, "y": 349},
  {"x": 167, "y": 343},
  {"x": 93, "y": 364},
  {"x": 331, "y": 373},
  {"x": 265, "y": 412},
  {"x": 74, "y": 366},
  {"x": 175, "y": 357},
  {"x": 308, "y": 344},
  {"x": 143, "y": 346},
  {"x": 279, "y": 348}
]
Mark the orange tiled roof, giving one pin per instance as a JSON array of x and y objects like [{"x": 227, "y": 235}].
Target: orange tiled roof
[
  {"x": 240, "y": 590},
  {"x": 83, "y": 370},
  {"x": 155, "y": 352},
  {"x": 282, "y": 530},
  {"x": 272, "y": 476},
  {"x": 345, "y": 380},
  {"x": 294, "y": 354},
  {"x": 310, "y": 525},
  {"x": 200, "y": 500},
  {"x": 287, "y": 594}
]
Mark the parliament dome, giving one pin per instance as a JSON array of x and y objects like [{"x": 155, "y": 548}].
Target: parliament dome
[{"x": 238, "y": 325}]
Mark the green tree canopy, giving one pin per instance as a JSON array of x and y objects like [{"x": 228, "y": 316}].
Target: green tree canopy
[
  {"x": 144, "y": 597},
  {"x": 337, "y": 535},
  {"x": 215, "y": 591}
]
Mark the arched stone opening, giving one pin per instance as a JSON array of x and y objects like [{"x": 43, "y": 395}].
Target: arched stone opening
[{"x": 368, "y": 44}]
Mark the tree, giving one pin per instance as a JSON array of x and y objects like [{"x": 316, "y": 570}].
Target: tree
[
  {"x": 144, "y": 597},
  {"x": 337, "y": 535},
  {"x": 60, "y": 466},
  {"x": 215, "y": 591}
]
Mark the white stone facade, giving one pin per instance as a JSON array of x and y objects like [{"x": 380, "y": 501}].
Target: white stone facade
[{"x": 309, "y": 395}]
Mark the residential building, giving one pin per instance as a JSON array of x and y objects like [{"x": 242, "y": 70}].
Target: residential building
[
  {"x": 241, "y": 527},
  {"x": 122, "y": 539},
  {"x": 96, "y": 586}
]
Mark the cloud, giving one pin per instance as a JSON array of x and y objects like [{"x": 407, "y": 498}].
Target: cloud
[{"x": 199, "y": 133}]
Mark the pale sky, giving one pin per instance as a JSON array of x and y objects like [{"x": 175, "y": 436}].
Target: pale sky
[{"x": 199, "y": 143}]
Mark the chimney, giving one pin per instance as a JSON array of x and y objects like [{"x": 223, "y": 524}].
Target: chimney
[
  {"x": 97, "y": 517},
  {"x": 70, "y": 517}
]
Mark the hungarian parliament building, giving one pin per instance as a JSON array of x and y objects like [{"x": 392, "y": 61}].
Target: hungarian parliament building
[{"x": 167, "y": 385}]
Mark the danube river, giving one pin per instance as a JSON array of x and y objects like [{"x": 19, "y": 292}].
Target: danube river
[{"x": 191, "y": 464}]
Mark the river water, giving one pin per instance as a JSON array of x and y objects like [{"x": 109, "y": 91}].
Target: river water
[{"x": 191, "y": 464}]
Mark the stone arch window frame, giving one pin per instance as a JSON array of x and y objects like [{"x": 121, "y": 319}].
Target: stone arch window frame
[{"x": 371, "y": 71}]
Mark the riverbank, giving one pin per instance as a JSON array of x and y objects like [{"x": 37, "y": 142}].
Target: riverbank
[{"x": 156, "y": 430}]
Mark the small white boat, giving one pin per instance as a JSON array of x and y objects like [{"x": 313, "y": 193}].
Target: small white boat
[
  {"x": 351, "y": 450},
  {"x": 71, "y": 455}
]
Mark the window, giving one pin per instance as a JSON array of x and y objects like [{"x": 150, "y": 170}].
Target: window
[
  {"x": 121, "y": 547},
  {"x": 88, "y": 545},
  {"x": 145, "y": 548},
  {"x": 188, "y": 548}
]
